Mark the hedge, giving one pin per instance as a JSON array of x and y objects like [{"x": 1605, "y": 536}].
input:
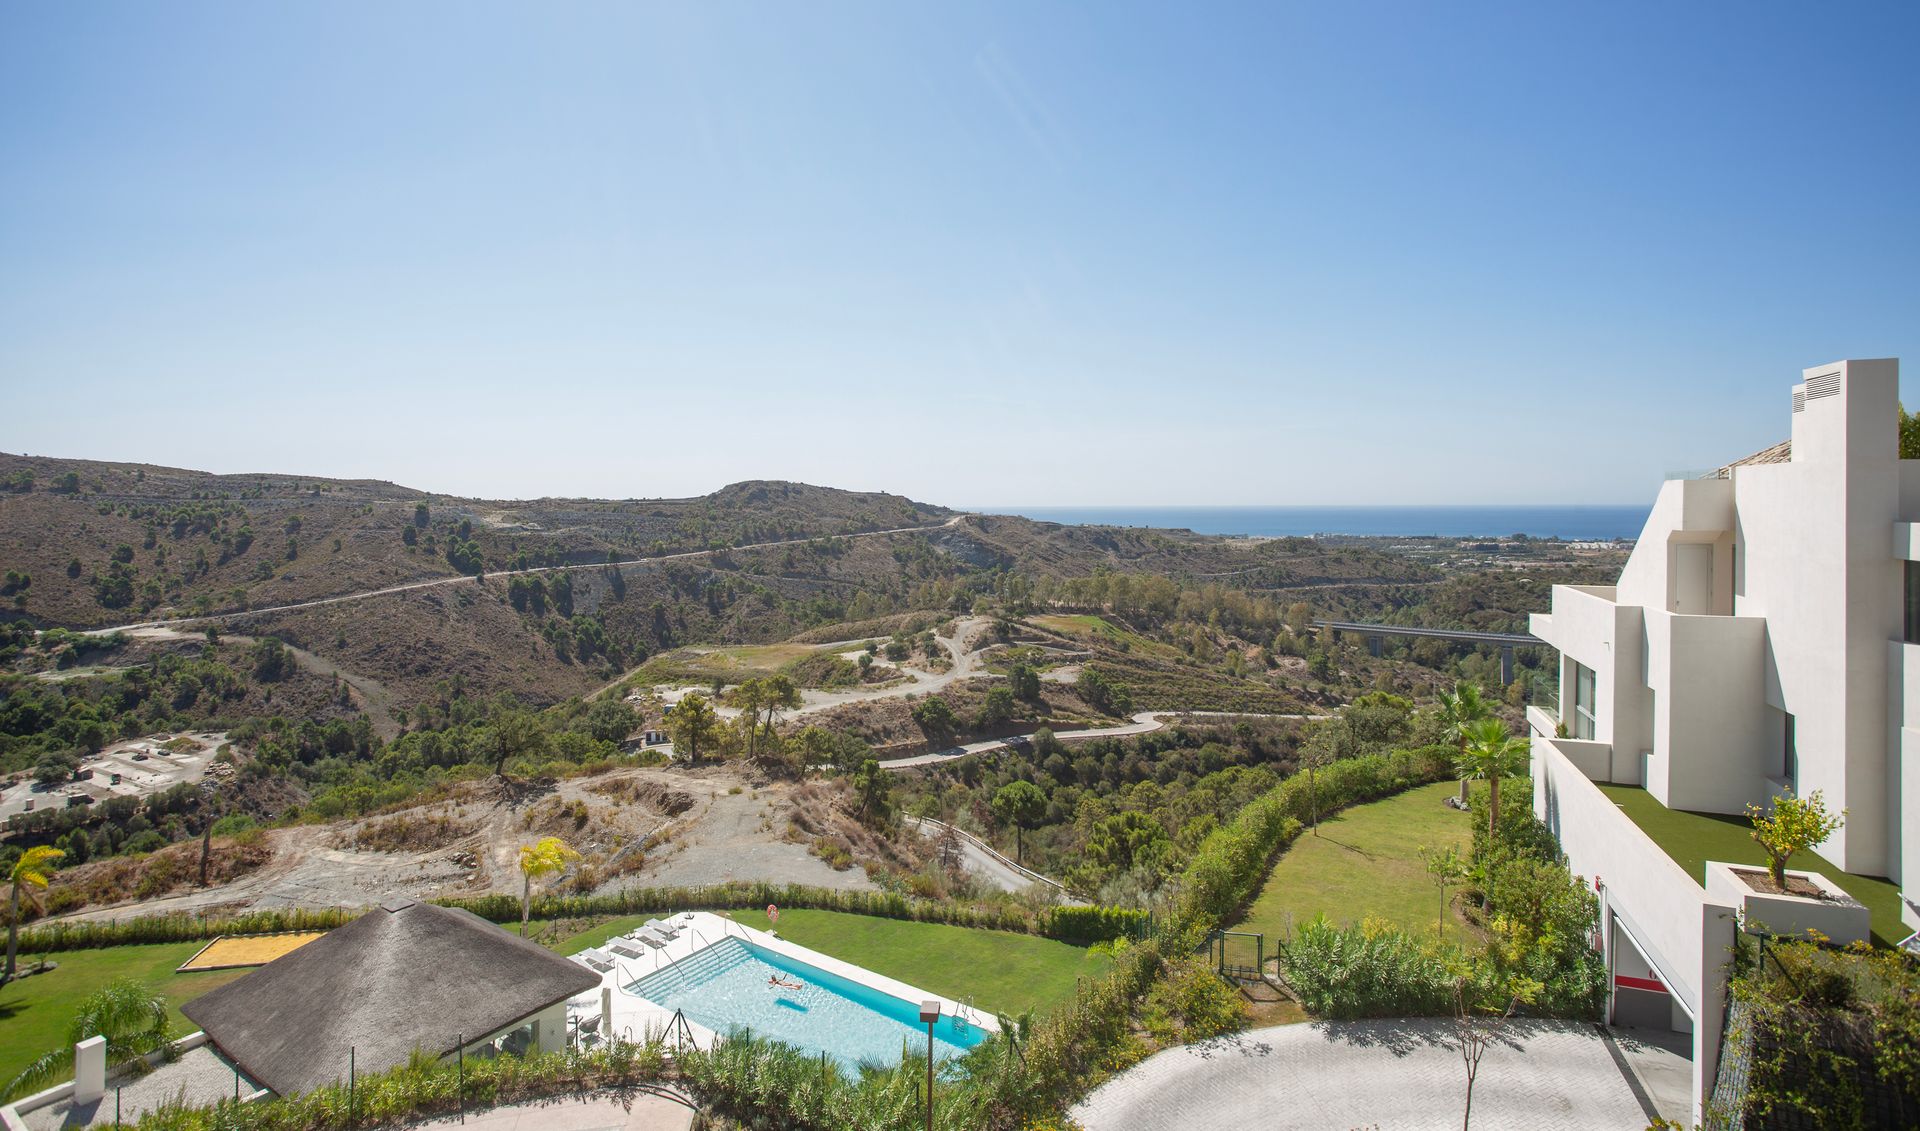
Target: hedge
[{"x": 1079, "y": 925}]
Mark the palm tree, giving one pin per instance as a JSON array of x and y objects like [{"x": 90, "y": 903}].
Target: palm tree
[
  {"x": 547, "y": 857},
  {"x": 29, "y": 872},
  {"x": 1459, "y": 709},
  {"x": 1488, "y": 751},
  {"x": 132, "y": 1017}
]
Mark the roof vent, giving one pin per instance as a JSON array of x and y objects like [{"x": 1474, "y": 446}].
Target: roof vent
[
  {"x": 401, "y": 904},
  {"x": 1799, "y": 398},
  {"x": 1825, "y": 385}
]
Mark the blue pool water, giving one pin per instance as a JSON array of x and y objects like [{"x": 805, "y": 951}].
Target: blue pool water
[{"x": 724, "y": 988}]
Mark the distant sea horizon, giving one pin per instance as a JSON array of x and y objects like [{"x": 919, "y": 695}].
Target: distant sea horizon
[{"x": 1573, "y": 523}]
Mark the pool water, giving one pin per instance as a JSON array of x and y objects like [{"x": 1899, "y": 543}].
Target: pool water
[{"x": 724, "y": 987}]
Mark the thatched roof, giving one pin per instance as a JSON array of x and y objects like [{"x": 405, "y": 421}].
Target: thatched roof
[{"x": 407, "y": 975}]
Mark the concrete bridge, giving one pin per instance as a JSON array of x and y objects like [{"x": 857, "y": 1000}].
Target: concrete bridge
[{"x": 1505, "y": 641}]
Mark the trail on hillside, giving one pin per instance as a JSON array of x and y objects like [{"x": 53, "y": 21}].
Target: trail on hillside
[{"x": 414, "y": 586}]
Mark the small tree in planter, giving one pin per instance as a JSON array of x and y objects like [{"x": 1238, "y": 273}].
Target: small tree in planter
[{"x": 1796, "y": 824}]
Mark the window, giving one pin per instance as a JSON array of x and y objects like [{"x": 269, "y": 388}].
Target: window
[
  {"x": 1583, "y": 694},
  {"x": 1790, "y": 754},
  {"x": 1913, "y": 603}
]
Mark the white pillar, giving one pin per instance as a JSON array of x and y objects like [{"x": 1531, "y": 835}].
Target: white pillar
[
  {"x": 606, "y": 1013},
  {"x": 89, "y": 1070}
]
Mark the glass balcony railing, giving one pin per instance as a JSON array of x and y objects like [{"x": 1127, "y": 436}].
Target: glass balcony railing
[{"x": 1545, "y": 694}]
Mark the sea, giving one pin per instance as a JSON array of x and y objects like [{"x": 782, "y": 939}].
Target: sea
[{"x": 1573, "y": 523}]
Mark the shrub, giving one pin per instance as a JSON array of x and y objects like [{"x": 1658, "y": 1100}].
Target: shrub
[{"x": 1372, "y": 970}]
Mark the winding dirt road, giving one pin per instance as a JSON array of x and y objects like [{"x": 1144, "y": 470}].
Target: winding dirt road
[{"x": 414, "y": 586}]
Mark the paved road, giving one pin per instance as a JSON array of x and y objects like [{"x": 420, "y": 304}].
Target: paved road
[{"x": 1543, "y": 1076}]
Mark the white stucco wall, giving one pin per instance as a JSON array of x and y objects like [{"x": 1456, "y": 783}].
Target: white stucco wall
[{"x": 1686, "y": 937}]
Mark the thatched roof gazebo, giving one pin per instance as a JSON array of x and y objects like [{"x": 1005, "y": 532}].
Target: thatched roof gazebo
[{"x": 404, "y": 976}]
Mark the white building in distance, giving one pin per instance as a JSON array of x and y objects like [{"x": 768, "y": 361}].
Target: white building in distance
[{"x": 1764, "y": 638}]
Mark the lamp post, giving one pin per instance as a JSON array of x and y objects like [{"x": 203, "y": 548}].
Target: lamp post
[{"x": 929, "y": 1013}]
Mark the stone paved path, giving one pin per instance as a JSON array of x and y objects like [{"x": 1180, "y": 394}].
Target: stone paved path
[{"x": 1386, "y": 1074}]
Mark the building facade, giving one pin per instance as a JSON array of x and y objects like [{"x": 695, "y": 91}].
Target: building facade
[{"x": 1764, "y": 638}]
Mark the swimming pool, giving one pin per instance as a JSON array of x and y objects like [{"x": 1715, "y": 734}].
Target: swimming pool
[{"x": 724, "y": 987}]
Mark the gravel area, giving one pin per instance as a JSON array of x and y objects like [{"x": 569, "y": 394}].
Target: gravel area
[{"x": 201, "y": 1076}]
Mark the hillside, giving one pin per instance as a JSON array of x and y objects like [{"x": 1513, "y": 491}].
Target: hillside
[{"x": 547, "y": 598}]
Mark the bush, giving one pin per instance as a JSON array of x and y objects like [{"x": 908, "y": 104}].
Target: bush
[
  {"x": 1192, "y": 1003},
  {"x": 1372, "y": 970}
]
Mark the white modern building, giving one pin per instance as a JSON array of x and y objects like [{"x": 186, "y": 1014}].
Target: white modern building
[{"x": 1764, "y": 638}]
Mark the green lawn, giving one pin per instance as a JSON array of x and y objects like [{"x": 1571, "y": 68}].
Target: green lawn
[
  {"x": 1002, "y": 972},
  {"x": 35, "y": 1012},
  {"x": 1692, "y": 839},
  {"x": 1365, "y": 862}
]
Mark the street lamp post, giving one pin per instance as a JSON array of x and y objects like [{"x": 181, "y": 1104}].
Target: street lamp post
[{"x": 929, "y": 1013}]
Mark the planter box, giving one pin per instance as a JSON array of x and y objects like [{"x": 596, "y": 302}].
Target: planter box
[{"x": 1834, "y": 914}]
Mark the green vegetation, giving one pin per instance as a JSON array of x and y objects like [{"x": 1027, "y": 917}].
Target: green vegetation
[
  {"x": 1692, "y": 839},
  {"x": 38, "y": 1009},
  {"x": 1831, "y": 1038},
  {"x": 1537, "y": 918},
  {"x": 1364, "y": 864}
]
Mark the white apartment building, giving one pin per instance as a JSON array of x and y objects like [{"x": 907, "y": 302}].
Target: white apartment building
[{"x": 1764, "y": 637}]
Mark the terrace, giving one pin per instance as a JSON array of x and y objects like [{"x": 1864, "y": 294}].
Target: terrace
[{"x": 1692, "y": 839}]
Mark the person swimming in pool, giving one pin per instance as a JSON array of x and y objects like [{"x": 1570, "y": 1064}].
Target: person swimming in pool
[{"x": 777, "y": 980}]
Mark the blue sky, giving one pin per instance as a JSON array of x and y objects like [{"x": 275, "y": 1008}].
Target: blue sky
[{"x": 978, "y": 254}]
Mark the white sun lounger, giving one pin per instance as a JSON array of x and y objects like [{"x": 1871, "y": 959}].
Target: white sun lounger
[
  {"x": 626, "y": 948},
  {"x": 598, "y": 959}
]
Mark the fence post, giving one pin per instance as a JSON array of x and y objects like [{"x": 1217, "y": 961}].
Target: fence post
[
  {"x": 116, "y": 1107},
  {"x": 460, "y": 1044},
  {"x": 351, "y": 1050}
]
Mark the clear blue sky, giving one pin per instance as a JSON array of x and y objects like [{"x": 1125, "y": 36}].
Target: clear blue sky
[{"x": 978, "y": 254}]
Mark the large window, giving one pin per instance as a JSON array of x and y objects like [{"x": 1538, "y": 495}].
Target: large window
[
  {"x": 1583, "y": 713},
  {"x": 1913, "y": 602}
]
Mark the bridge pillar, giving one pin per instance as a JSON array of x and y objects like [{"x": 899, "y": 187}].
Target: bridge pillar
[
  {"x": 1373, "y": 646},
  {"x": 1506, "y": 664}
]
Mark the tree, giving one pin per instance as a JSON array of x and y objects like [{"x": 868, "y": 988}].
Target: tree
[
  {"x": 693, "y": 726},
  {"x": 935, "y": 717},
  {"x": 420, "y": 515},
  {"x": 1020, "y": 804},
  {"x": 1909, "y": 434},
  {"x": 1445, "y": 869},
  {"x": 132, "y": 1017},
  {"x": 514, "y": 734},
  {"x": 1024, "y": 681},
  {"x": 1459, "y": 709},
  {"x": 1322, "y": 749},
  {"x": 997, "y": 708},
  {"x": 54, "y": 767},
  {"x": 1126, "y": 841},
  {"x": 1794, "y": 825},
  {"x": 1492, "y": 753},
  {"x": 611, "y": 720},
  {"x": 1474, "y": 1028},
  {"x": 548, "y": 857},
  {"x": 872, "y": 789},
  {"x": 31, "y": 874}
]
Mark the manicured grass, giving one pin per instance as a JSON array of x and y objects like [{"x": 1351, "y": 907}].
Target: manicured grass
[
  {"x": 35, "y": 1012},
  {"x": 1002, "y": 972},
  {"x": 1692, "y": 839},
  {"x": 1365, "y": 862}
]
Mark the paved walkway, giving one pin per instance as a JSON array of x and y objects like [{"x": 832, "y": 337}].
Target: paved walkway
[
  {"x": 1400, "y": 1074},
  {"x": 600, "y": 1111}
]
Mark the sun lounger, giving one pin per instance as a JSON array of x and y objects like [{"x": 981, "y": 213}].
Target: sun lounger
[
  {"x": 598, "y": 959},
  {"x": 626, "y": 948},
  {"x": 665, "y": 928}
]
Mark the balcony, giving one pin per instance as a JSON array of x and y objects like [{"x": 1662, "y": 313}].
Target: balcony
[{"x": 1692, "y": 839}]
